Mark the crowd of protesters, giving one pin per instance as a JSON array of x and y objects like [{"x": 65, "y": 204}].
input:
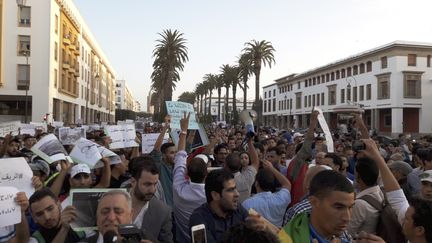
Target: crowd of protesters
[{"x": 275, "y": 186}]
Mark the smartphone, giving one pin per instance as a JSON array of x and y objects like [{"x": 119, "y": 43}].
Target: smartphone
[
  {"x": 199, "y": 234},
  {"x": 131, "y": 233}
]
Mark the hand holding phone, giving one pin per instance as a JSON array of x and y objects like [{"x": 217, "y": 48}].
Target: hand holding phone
[{"x": 199, "y": 234}]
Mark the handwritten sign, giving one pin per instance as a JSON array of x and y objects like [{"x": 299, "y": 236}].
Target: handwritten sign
[
  {"x": 85, "y": 152},
  {"x": 17, "y": 173},
  {"x": 9, "y": 127},
  {"x": 177, "y": 109},
  {"x": 57, "y": 124},
  {"x": 149, "y": 140},
  {"x": 122, "y": 136},
  {"x": 40, "y": 126},
  {"x": 326, "y": 130},
  {"x": 28, "y": 129},
  {"x": 10, "y": 211}
]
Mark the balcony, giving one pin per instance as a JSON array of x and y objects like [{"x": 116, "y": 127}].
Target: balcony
[{"x": 66, "y": 40}]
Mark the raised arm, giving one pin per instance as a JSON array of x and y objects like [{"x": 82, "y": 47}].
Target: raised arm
[
  {"x": 106, "y": 175},
  {"x": 159, "y": 140},
  {"x": 180, "y": 159},
  {"x": 184, "y": 124},
  {"x": 253, "y": 154},
  {"x": 59, "y": 180},
  {"x": 306, "y": 150},
  {"x": 22, "y": 229},
  {"x": 359, "y": 124},
  {"x": 279, "y": 177}
]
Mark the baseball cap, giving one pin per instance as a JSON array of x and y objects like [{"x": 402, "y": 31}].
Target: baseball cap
[
  {"x": 203, "y": 157},
  {"x": 426, "y": 176},
  {"x": 297, "y": 134},
  {"x": 40, "y": 165},
  {"x": 79, "y": 168}
]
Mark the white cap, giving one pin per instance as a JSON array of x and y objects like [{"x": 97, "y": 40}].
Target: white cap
[
  {"x": 426, "y": 176},
  {"x": 203, "y": 157},
  {"x": 79, "y": 168},
  {"x": 297, "y": 134}
]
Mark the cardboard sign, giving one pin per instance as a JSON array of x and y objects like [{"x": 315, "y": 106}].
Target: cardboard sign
[
  {"x": 122, "y": 136},
  {"x": 17, "y": 173},
  {"x": 177, "y": 109},
  {"x": 85, "y": 201},
  {"x": 50, "y": 149},
  {"x": 149, "y": 141},
  {"x": 10, "y": 212},
  {"x": 9, "y": 127},
  {"x": 69, "y": 136}
]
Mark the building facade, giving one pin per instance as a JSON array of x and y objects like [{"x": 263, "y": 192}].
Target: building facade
[
  {"x": 137, "y": 106},
  {"x": 124, "y": 97},
  {"x": 393, "y": 84},
  {"x": 214, "y": 107},
  {"x": 48, "y": 52}
]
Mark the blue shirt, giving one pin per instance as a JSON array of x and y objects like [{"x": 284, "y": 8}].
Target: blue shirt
[
  {"x": 314, "y": 235},
  {"x": 270, "y": 205},
  {"x": 165, "y": 176}
]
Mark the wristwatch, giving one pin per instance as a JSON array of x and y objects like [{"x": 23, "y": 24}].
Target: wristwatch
[{"x": 183, "y": 132}]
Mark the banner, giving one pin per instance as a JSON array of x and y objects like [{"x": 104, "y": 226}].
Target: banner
[
  {"x": 326, "y": 130},
  {"x": 10, "y": 212},
  {"x": 17, "y": 173},
  {"x": 149, "y": 141},
  {"x": 9, "y": 127},
  {"x": 176, "y": 110}
]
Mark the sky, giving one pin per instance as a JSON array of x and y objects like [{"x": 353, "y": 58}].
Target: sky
[{"x": 305, "y": 34}]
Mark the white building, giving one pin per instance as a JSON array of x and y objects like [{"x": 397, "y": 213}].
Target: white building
[
  {"x": 137, "y": 106},
  {"x": 215, "y": 106},
  {"x": 47, "y": 47},
  {"x": 124, "y": 98},
  {"x": 393, "y": 83}
]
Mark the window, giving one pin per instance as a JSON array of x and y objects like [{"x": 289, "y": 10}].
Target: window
[
  {"x": 318, "y": 99},
  {"x": 387, "y": 120},
  {"x": 55, "y": 51},
  {"x": 332, "y": 75},
  {"x": 368, "y": 92},
  {"x": 355, "y": 70},
  {"x": 343, "y": 73},
  {"x": 361, "y": 96},
  {"x": 342, "y": 98},
  {"x": 298, "y": 100},
  {"x": 362, "y": 68},
  {"x": 322, "y": 99},
  {"x": 355, "y": 93},
  {"x": 305, "y": 101},
  {"x": 383, "y": 62},
  {"x": 23, "y": 77},
  {"x": 306, "y": 83},
  {"x": 309, "y": 101},
  {"x": 348, "y": 71},
  {"x": 24, "y": 16},
  {"x": 383, "y": 86},
  {"x": 332, "y": 95},
  {"x": 265, "y": 105},
  {"x": 56, "y": 23},
  {"x": 337, "y": 74},
  {"x": 265, "y": 94},
  {"x": 274, "y": 103},
  {"x": 412, "y": 84},
  {"x": 55, "y": 78},
  {"x": 369, "y": 66},
  {"x": 274, "y": 92},
  {"x": 313, "y": 100},
  {"x": 428, "y": 60},
  {"x": 23, "y": 45},
  {"x": 412, "y": 60},
  {"x": 298, "y": 85},
  {"x": 348, "y": 94}
]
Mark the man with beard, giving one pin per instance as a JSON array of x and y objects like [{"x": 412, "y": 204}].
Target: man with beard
[
  {"x": 149, "y": 214},
  {"x": 53, "y": 224},
  {"x": 11, "y": 147}
]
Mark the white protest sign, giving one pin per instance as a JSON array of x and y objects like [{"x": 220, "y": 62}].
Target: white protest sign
[
  {"x": 40, "y": 126},
  {"x": 17, "y": 173},
  {"x": 68, "y": 136},
  {"x": 149, "y": 140},
  {"x": 10, "y": 211},
  {"x": 57, "y": 124},
  {"x": 28, "y": 129},
  {"x": 9, "y": 127},
  {"x": 85, "y": 152},
  {"x": 326, "y": 130},
  {"x": 200, "y": 137},
  {"x": 122, "y": 136},
  {"x": 177, "y": 109},
  {"x": 50, "y": 149}
]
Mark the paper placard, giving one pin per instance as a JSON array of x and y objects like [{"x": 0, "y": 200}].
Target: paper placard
[
  {"x": 9, "y": 127},
  {"x": 85, "y": 202},
  {"x": 176, "y": 110},
  {"x": 40, "y": 126},
  {"x": 10, "y": 211},
  {"x": 149, "y": 140},
  {"x": 69, "y": 136},
  {"x": 326, "y": 130},
  {"x": 200, "y": 138},
  {"x": 85, "y": 152},
  {"x": 57, "y": 124},
  {"x": 122, "y": 136},
  {"x": 50, "y": 149},
  {"x": 28, "y": 129},
  {"x": 17, "y": 173}
]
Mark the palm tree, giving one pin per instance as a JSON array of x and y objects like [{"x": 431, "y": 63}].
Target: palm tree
[
  {"x": 188, "y": 97},
  {"x": 230, "y": 77},
  {"x": 260, "y": 53},
  {"x": 211, "y": 85},
  {"x": 170, "y": 55},
  {"x": 206, "y": 87},
  {"x": 199, "y": 90},
  {"x": 219, "y": 84},
  {"x": 245, "y": 71}
]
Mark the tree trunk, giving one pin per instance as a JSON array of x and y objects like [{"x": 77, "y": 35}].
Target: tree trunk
[
  {"x": 245, "y": 93},
  {"x": 257, "y": 99},
  {"x": 209, "y": 109},
  {"x": 234, "y": 112},
  {"x": 226, "y": 105},
  {"x": 219, "y": 103}
]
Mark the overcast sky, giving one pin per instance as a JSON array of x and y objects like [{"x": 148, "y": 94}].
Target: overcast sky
[{"x": 306, "y": 34}]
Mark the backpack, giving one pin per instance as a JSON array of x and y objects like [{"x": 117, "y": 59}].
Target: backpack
[{"x": 388, "y": 226}]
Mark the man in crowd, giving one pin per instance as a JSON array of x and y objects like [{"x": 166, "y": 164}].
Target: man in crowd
[
  {"x": 149, "y": 214},
  {"x": 220, "y": 153},
  {"x": 28, "y": 142},
  {"x": 268, "y": 204},
  {"x": 188, "y": 194},
  {"x": 54, "y": 225},
  {"x": 332, "y": 197},
  {"x": 364, "y": 215},
  {"x": 119, "y": 169}
]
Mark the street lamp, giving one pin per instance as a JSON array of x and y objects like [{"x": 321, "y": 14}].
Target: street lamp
[{"x": 349, "y": 80}]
